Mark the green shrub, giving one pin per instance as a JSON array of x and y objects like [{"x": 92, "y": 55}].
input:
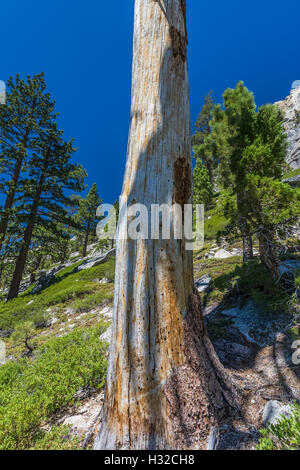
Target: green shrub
[
  {"x": 58, "y": 438},
  {"x": 90, "y": 301},
  {"x": 232, "y": 276},
  {"x": 65, "y": 287},
  {"x": 32, "y": 389},
  {"x": 285, "y": 435},
  {"x": 98, "y": 272},
  {"x": 216, "y": 223},
  {"x": 24, "y": 332}
]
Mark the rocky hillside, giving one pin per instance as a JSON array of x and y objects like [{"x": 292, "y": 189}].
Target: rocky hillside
[
  {"x": 291, "y": 109},
  {"x": 56, "y": 334}
]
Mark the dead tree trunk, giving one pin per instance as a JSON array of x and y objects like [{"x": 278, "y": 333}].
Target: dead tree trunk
[{"x": 165, "y": 386}]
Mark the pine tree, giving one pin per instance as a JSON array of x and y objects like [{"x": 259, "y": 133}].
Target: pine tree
[
  {"x": 87, "y": 215},
  {"x": 74, "y": 204},
  {"x": 28, "y": 110},
  {"x": 43, "y": 200},
  {"x": 202, "y": 143},
  {"x": 203, "y": 189},
  {"x": 47, "y": 248},
  {"x": 232, "y": 130},
  {"x": 252, "y": 150},
  {"x": 202, "y": 125}
]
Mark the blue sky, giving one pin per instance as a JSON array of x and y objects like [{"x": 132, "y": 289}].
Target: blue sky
[{"x": 85, "y": 50}]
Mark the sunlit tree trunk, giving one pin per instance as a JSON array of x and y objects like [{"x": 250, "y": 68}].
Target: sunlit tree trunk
[
  {"x": 165, "y": 386},
  {"x": 24, "y": 250}
]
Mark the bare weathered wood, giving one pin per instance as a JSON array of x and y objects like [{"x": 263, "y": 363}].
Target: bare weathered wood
[{"x": 165, "y": 386}]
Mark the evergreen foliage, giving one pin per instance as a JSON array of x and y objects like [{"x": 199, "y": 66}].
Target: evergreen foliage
[
  {"x": 251, "y": 147},
  {"x": 201, "y": 140},
  {"x": 203, "y": 189},
  {"x": 87, "y": 215}
]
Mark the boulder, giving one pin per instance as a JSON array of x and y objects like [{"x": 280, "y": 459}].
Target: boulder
[
  {"x": 222, "y": 254},
  {"x": 5, "y": 333},
  {"x": 209, "y": 255},
  {"x": 107, "y": 312},
  {"x": 105, "y": 280},
  {"x": 23, "y": 286},
  {"x": 203, "y": 283},
  {"x": 236, "y": 252},
  {"x": 274, "y": 410},
  {"x": 84, "y": 393},
  {"x": 45, "y": 277},
  {"x": 232, "y": 353},
  {"x": 227, "y": 437},
  {"x": 106, "y": 336},
  {"x": 234, "y": 439}
]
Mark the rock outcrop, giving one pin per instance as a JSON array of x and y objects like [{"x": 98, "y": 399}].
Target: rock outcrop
[
  {"x": 95, "y": 260},
  {"x": 291, "y": 108},
  {"x": 45, "y": 277},
  {"x": 203, "y": 284}
]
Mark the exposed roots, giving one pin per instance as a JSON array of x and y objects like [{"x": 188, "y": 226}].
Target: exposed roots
[{"x": 200, "y": 393}]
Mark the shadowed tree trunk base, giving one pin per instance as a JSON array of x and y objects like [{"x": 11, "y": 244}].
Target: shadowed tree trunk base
[
  {"x": 197, "y": 396},
  {"x": 200, "y": 393}
]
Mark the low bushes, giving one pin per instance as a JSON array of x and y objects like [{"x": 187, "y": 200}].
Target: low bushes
[
  {"x": 285, "y": 435},
  {"x": 33, "y": 389}
]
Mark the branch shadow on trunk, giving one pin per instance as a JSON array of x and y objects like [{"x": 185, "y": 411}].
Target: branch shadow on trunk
[{"x": 166, "y": 388}]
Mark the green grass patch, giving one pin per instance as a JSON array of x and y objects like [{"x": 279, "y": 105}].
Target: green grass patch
[
  {"x": 33, "y": 389},
  {"x": 92, "y": 300},
  {"x": 58, "y": 438},
  {"x": 233, "y": 278},
  {"x": 213, "y": 225},
  {"x": 222, "y": 272}
]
